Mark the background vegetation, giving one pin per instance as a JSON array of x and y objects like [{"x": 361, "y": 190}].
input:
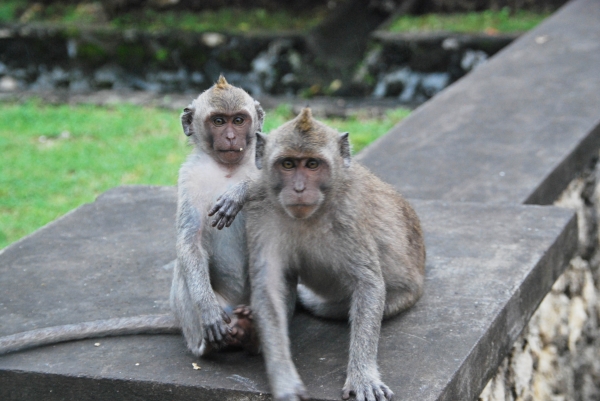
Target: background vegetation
[
  {"x": 484, "y": 21},
  {"x": 55, "y": 158},
  {"x": 256, "y": 19}
]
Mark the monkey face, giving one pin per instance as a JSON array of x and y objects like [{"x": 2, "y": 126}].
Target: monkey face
[
  {"x": 229, "y": 134},
  {"x": 301, "y": 182}
]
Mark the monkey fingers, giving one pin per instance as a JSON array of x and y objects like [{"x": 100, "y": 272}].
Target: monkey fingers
[
  {"x": 226, "y": 208},
  {"x": 225, "y": 317},
  {"x": 243, "y": 331},
  {"x": 220, "y": 202},
  {"x": 376, "y": 391},
  {"x": 217, "y": 332},
  {"x": 243, "y": 310},
  {"x": 300, "y": 394}
]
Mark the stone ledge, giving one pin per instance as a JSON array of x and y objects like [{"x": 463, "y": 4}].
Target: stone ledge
[
  {"x": 488, "y": 268},
  {"x": 515, "y": 130}
]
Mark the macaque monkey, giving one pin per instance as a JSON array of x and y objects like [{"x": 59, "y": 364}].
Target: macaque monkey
[
  {"x": 211, "y": 272},
  {"x": 325, "y": 230}
]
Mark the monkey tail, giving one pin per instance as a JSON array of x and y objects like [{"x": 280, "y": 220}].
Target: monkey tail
[{"x": 147, "y": 324}]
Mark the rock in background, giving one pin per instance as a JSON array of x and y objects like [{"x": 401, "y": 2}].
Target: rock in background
[{"x": 411, "y": 68}]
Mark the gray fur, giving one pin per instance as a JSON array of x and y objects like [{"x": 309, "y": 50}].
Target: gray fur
[
  {"x": 359, "y": 256},
  {"x": 151, "y": 324},
  {"x": 211, "y": 271},
  {"x": 211, "y": 274}
]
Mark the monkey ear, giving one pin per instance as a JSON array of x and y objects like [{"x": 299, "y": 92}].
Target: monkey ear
[
  {"x": 346, "y": 149},
  {"x": 260, "y": 113},
  {"x": 261, "y": 141},
  {"x": 187, "y": 117}
]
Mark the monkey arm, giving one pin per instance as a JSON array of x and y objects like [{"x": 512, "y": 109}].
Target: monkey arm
[
  {"x": 366, "y": 313},
  {"x": 272, "y": 290},
  {"x": 229, "y": 204},
  {"x": 192, "y": 257}
]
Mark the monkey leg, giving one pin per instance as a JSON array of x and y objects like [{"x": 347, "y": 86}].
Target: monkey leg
[
  {"x": 366, "y": 312},
  {"x": 320, "y": 307},
  {"x": 272, "y": 288},
  {"x": 401, "y": 299},
  {"x": 188, "y": 316}
]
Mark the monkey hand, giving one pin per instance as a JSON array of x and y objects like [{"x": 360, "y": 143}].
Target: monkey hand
[
  {"x": 296, "y": 393},
  {"x": 215, "y": 327},
  {"x": 243, "y": 330},
  {"x": 367, "y": 389},
  {"x": 226, "y": 208}
]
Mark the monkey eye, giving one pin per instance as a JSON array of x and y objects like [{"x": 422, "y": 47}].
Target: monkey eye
[
  {"x": 287, "y": 164},
  {"x": 218, "y": 121},
  {"x": 238, "y": 120},
  {"x": 312, "y": 164}
]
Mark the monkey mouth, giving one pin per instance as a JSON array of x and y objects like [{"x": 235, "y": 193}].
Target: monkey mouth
[
  {"x": 301, "y": 210},
  {"x": 231, "y": 156}
]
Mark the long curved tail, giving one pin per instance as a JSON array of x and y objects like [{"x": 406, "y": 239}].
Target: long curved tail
[{"x": 147, "y": 324}]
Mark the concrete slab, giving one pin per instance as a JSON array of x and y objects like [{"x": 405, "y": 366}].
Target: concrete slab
[
  {"x": 515, "y": 130},
  {"x": 488, "y": 268}
]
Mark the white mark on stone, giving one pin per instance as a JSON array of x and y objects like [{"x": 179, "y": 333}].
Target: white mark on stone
[{"x": 243, "y": 380}]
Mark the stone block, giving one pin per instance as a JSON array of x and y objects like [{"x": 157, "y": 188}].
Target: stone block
[
  {"x": 516, "y": 129},
  {"x": 488, "y": 267}
]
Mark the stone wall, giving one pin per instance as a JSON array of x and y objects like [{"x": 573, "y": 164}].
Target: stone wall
[{"x": 557, "y": 357}]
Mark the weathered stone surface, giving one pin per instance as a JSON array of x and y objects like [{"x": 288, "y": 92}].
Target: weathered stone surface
[
  {"x": 556, "y": 358},
  {"x": 515, "y": 130},
  {"x": 488, "y": 268}
]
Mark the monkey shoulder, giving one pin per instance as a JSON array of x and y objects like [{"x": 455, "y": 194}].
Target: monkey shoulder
[
  {"x": 373, "y": 191},
  {"x": 379, "y": 211}
]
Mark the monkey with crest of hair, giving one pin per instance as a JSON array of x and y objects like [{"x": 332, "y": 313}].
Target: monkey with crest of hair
[
  {"x": 324, "y": 229},
  {"x": 211, "y": 275},
  {"x": 211, "y": 272}
]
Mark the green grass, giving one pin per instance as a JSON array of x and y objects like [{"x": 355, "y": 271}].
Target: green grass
[
  {"x": 9, "y": 9},
  {"x": 226, "y": 19},
  {"x": 258, "y": 19},
  {"x": 485, "y": 21},
  {"x": 55, "y": 158},
  {"x": 231, "y": 20}
]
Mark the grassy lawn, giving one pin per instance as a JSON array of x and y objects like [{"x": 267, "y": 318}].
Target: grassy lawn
[
  {"x": 55, "y": 158},
  {"x": 226, "y": 19},
  {"x": 258, "y": 19},
  {"x": 502, "y": 21}
]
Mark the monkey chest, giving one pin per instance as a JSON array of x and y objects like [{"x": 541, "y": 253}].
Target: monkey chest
[{"x": 323, "y": 272}]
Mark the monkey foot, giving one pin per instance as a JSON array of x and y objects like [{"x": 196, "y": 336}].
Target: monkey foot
[{"x": 243, "y": 334}]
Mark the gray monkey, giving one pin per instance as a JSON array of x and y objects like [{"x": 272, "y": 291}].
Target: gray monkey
[
  {"x": 324, "y": 229},
  {"x": 211, "y": 272}
]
